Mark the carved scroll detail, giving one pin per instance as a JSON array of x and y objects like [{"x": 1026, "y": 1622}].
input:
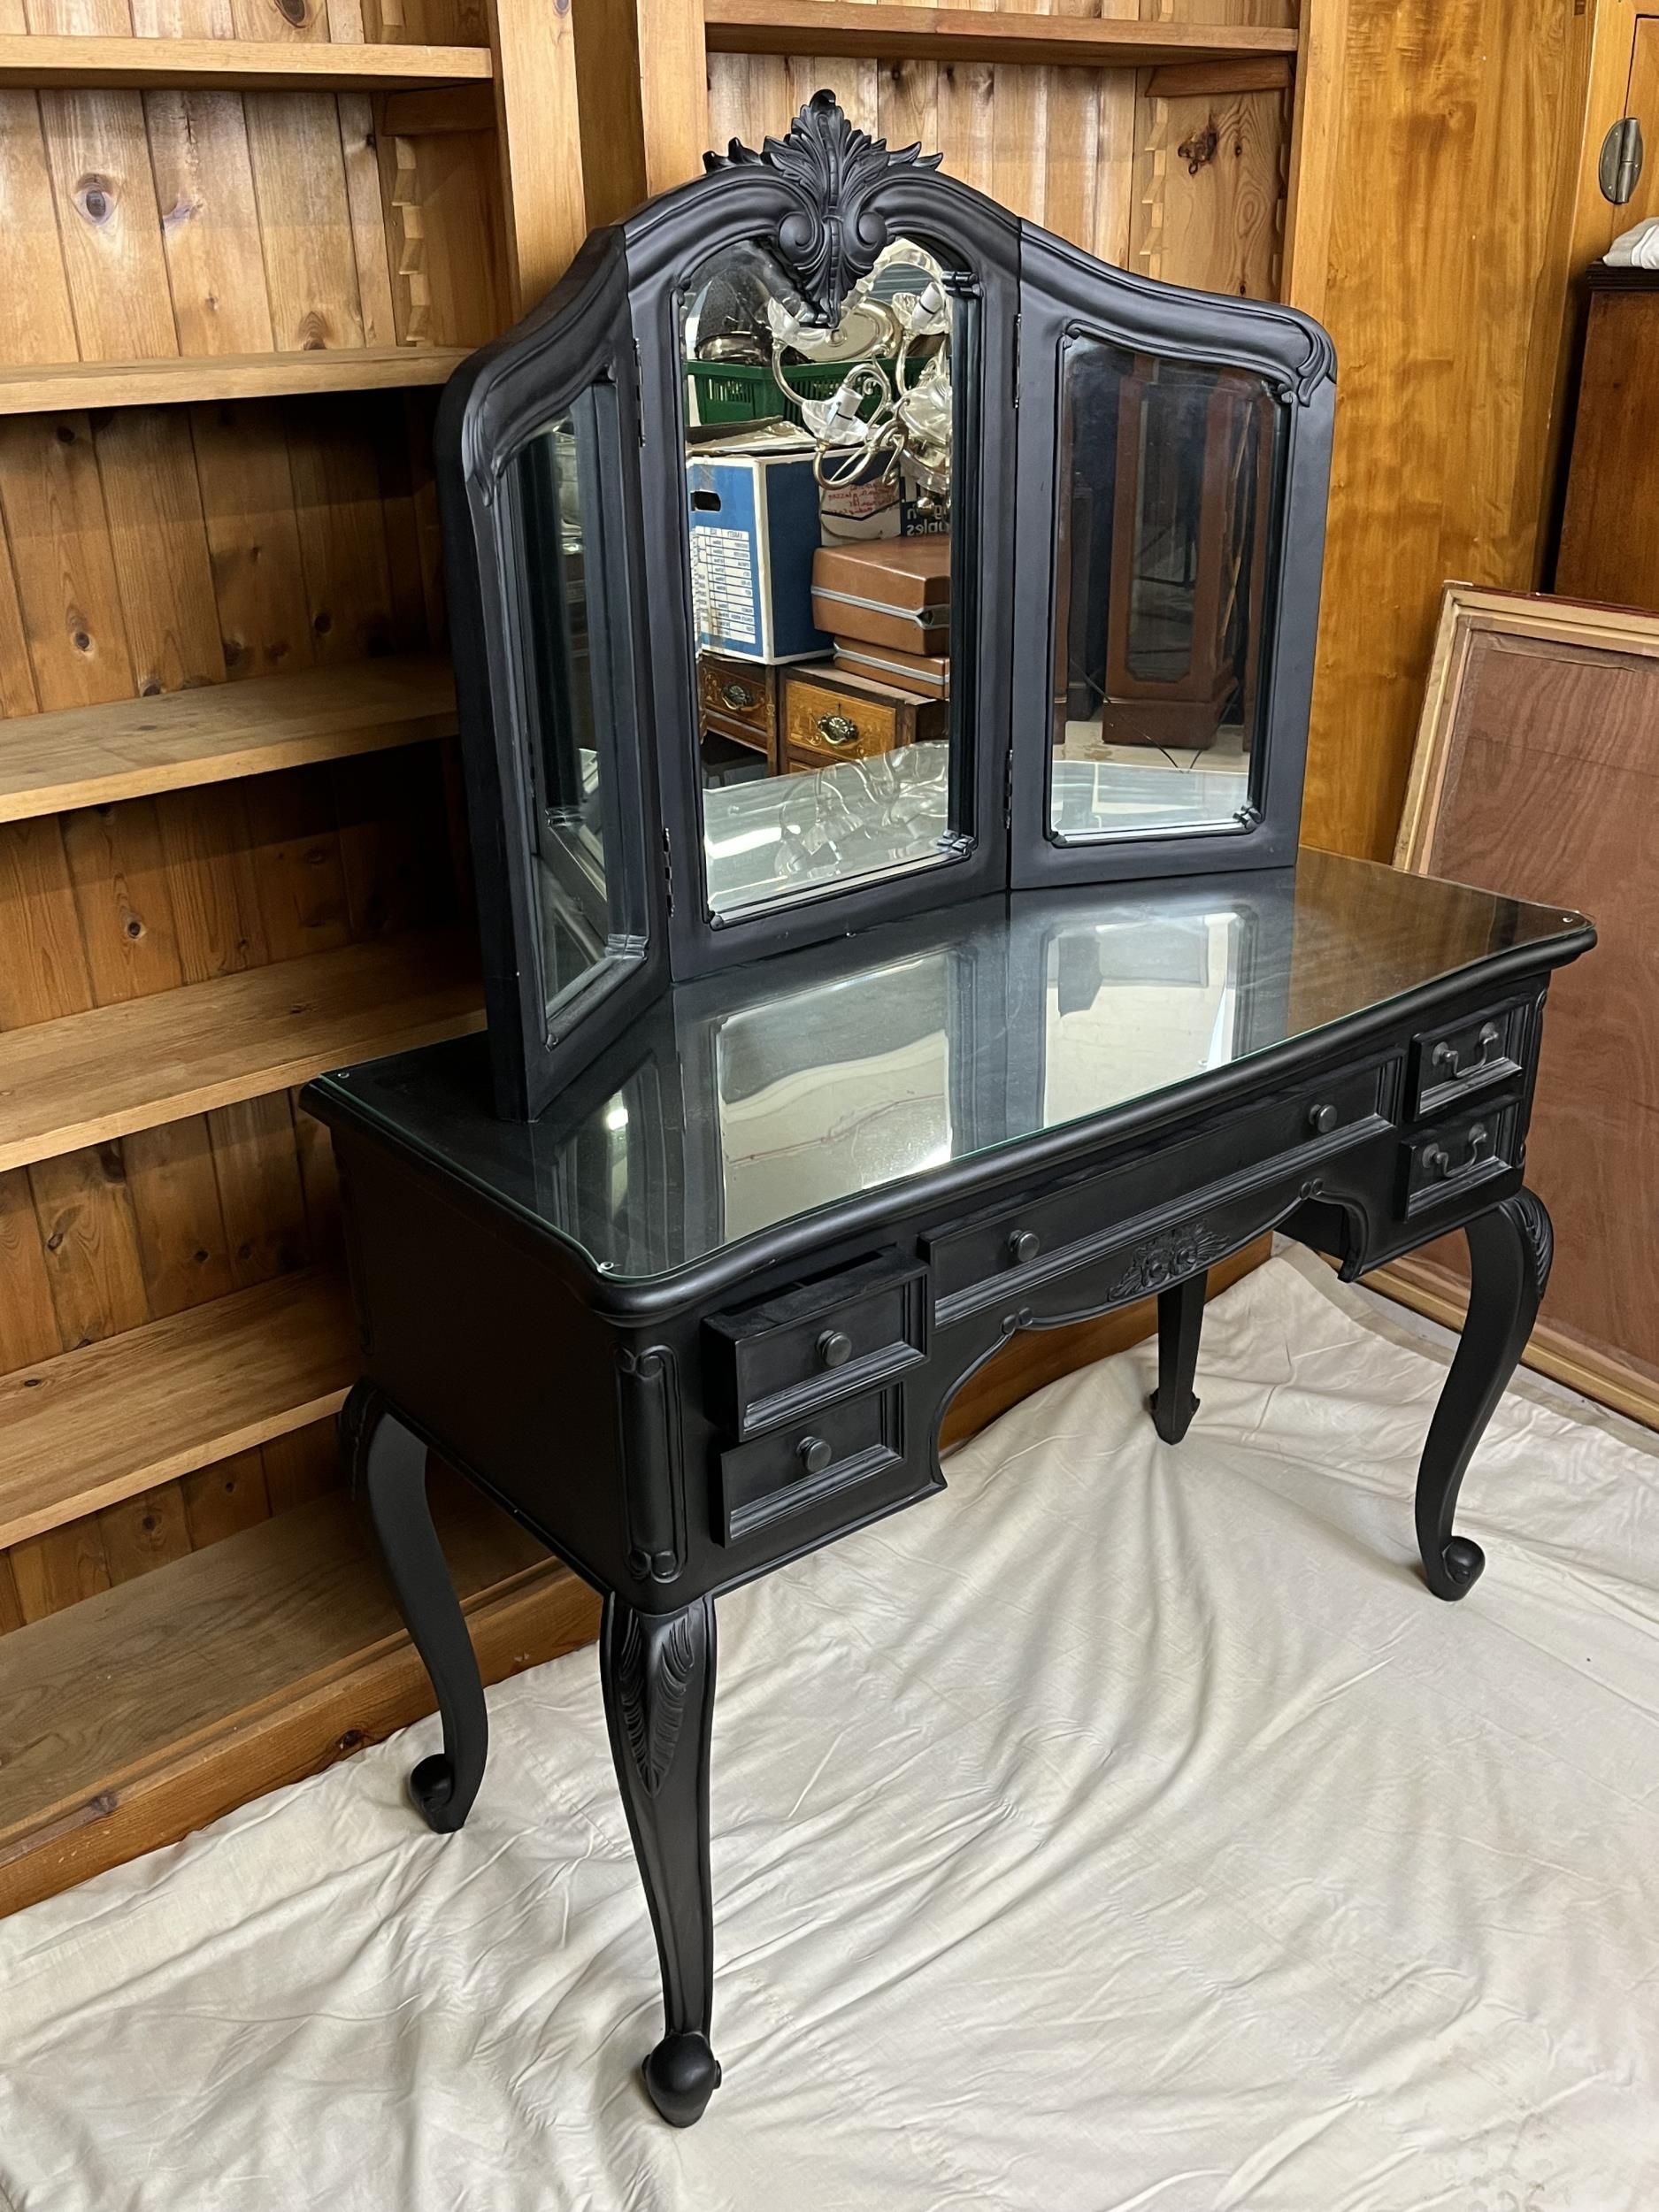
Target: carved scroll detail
[
  {"x": 1532, "y": 1219},
  {"x": 1168, "y": 1258},
  {"x": 655, "y": 1667},
  {"x": 830, "y": 169}
]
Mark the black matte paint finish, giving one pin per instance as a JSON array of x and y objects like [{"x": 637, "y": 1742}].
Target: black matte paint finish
[{"x": 676, "y": 1432}]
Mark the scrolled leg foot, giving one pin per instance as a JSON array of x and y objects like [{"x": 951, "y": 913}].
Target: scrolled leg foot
[
  {"x": 1464, "y": 1563},
  {"x": 682, "y": 2075},
  {"x": 388, "y": 1465},
  {"x": 432, "y": 1792},
  {"x": 1509, "y": 1252}
]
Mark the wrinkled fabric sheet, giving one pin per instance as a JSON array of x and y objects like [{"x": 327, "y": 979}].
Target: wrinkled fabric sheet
[{"x": 1127, "y": 1827}]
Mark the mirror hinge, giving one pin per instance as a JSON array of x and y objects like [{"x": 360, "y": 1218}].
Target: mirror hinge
[
  {"x": 1017, "y": 364},
  {"x": 638, "y": 409},
  {"x": 668, "y": 868},
  {"x": 1008, "y": 788},
  {"x": 1619, "y": 170}
]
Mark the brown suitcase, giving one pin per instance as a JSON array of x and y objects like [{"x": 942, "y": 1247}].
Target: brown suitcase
[
  {"x": 890, "y": 591},
  {"x": 928, "y": 674}
]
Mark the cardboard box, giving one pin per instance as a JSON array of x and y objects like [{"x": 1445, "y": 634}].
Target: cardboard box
[{"x": 754, "y": 527}]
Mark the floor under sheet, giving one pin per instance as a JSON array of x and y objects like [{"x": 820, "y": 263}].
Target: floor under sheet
[{"x": 1125, "y": 1828}]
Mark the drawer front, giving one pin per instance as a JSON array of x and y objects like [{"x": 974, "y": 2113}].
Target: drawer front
[
  {"x": 1024, "y": 1245},
  {"x": 823, "y": 722},
  {"x": 839, "y": 1450},
  {"x": 1449, "y": 1064},
  {"x": 738, "y": 695},
  {"x": 813, "y": 1343},
  {"x": 1454, "y": 1158}
]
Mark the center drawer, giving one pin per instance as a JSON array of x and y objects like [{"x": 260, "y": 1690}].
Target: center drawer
[{"x": 1023, "y": 1243}]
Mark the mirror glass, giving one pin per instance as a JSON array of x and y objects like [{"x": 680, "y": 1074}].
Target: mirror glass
[
  {"x": 1167, "y": 477},
  {"x": 573, "y": 702},
  {"x": 823, "y": 537}
]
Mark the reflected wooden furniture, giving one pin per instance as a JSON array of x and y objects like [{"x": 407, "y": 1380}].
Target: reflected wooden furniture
[
  {"x": 1609, "y": 549},
  {"x": 831, "y": 714},
  {"x": 739, "y": 699}
]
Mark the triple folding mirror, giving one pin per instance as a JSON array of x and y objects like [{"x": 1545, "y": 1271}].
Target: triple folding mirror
[{"x": 831, "y": 546}]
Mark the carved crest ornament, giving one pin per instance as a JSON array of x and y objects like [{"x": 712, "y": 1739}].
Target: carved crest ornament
[{"x": 830, "y": 169}]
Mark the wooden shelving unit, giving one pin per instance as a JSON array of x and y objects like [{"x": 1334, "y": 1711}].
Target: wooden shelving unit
[
  {"x": 227, "y": 64},
  {"x": 116, "y": 1418},
  {"x": 128, "y": 749},
  {"x": 140, "y": 1714},
  {"x": 86, "y": 1077},
  {"x": 231, "y": 274},
  {"x": 175, "y": 382},
  {"x": 882, "y": 33}
]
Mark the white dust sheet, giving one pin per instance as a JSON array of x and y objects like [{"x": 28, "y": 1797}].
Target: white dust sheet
[{"x": 1125, "y": 1827}]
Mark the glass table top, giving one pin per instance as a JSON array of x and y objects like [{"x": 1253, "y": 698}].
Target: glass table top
[{"x": 778, "y": 1089}]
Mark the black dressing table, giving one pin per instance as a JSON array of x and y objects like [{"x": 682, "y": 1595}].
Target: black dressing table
[{"x": 808, "y": 1084}]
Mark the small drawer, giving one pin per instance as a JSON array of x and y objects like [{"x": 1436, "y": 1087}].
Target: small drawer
[
  {"x": 1023, "y": 1244},
  {"x": 1452, "y": 1159},
  {"x": 814, "y": 1342},
  {"x": 840, "y": 1449},
  {"x": 1449, "y": 1064},
  {"x": 828, "y": 718},
  {"x": 738, "y": 697}
]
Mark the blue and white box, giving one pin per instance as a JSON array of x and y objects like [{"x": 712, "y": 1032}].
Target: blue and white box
[{"x": 754, "y": 517}]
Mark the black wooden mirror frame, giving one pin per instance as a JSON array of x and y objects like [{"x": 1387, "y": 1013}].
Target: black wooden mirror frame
[{"x": 827, "y": 199}]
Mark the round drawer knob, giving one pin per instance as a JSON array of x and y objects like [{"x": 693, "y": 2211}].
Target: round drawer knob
[
  {"x": 814, "y": 1454},
  {"x": 1322, "y": 1119},
  {"x": 1024, "y": 1245},
  {"x": 834, "y": 1347}
]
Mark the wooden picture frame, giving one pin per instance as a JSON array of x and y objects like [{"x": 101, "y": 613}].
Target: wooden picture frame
[{"x": 1562, "y": 828}]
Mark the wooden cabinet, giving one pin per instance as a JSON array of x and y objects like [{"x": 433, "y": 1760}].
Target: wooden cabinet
[
  {"x": 739, "y": 700},
  {"x": 1609, "y": 549}
]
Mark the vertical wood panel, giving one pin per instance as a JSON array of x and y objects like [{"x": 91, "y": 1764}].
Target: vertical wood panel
[
  {"x": 209, "y": 221},
  {"x": 1447, "y": 298}
]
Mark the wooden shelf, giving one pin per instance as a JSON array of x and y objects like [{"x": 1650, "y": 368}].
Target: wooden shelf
[
  {"x": 131, "y": 1718},
  {"x": 116, "y": 1418},
  {"x": 234, "y": 65},
  {"x": 862, "y": 30},
  {"x": 87, "y": 1077},
  {"x": 93, "y": 755},
  {"x": 44, "y": 388}
]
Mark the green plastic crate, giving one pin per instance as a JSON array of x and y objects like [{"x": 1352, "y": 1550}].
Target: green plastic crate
[{"x": 738, "y": 391}]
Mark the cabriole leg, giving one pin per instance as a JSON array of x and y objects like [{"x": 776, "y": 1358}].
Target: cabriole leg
[
  {"x": 1509, "y": 1252},
  {"x": 1180, "y": 1321},
  {"x": 389, "y": 1465},
  {"x": 658, "y": 1672}
]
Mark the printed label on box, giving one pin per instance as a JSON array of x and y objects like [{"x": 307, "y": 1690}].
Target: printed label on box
[{"x": 723, "y": 586}]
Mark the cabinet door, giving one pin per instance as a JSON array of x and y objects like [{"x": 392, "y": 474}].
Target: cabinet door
[{"x": 539, "y": 457}]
